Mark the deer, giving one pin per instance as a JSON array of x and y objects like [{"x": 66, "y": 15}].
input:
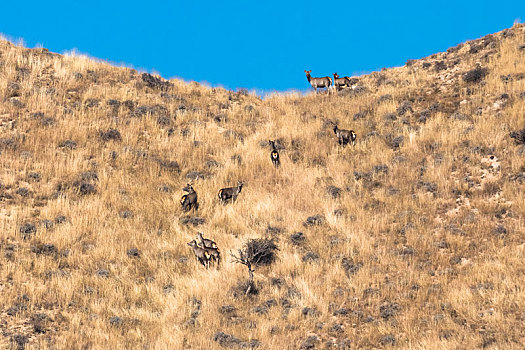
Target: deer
[
  {"x": 189, "y": 200},
  {"x": 210, "y": 247},
  {"x": 206, "y": 243},
  {"x": 202, "y": 254},
  {"x": 341, "y": 82},
  {"x": 230, "y": 193},
  {"x": 344, "y": 136},
  {"x": 215, "y": 255},
  {"x": 323, "y": 82},
  {"x": 274, "y": 155}
]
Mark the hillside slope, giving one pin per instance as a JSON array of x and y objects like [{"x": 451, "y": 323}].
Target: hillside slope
[{"x": 413, "y": 238}]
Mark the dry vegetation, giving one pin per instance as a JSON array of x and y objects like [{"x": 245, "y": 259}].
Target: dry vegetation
[{"x": 414, "y": 238}]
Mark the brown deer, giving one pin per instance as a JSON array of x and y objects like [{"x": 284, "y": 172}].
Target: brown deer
[
  {"x": 202, "y": 254},
  {"x": 189, "y": 200},
  {"x": 215, "y": 256},
  {"x": 345, "y": 136},
  {"x": 274, "y": 155},
  {"x": 323, "y": 82},
  {"x": 230, "y": 193},
  {"x": 210, "y": 247},
  {"x": 341, "y": 82},
  {"x": 207, "y": 243}
]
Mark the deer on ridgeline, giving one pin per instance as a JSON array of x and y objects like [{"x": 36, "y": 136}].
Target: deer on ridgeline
[
  {"x": 202, "y": 254},
  {"x": 344, "y": 136},
  {"x": 189, "y": 200},
  {"x": 323, "y": 82},
  {"x": 274, "y": 155},
  {"x": 341, "y": 82},
  {"x": 230, "y": 193}
]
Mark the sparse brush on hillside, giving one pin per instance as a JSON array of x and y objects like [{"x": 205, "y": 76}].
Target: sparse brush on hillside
[{"x": 411, "y": 238}]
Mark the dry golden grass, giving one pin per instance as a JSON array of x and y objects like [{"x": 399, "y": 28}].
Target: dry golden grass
[{"x": 433, "y": 241}]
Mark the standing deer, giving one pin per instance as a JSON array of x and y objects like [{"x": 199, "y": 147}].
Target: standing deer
[
  {"x": 215, "y": 255},
  {"x": 189, "y": 200},
  {"x": 206, "y": 243},
  {"x": 344, "y": 136},
  {"x": 274, "y": 155},
  {"x": 210, "y": 247},
  {"x": 341, "y": 82},
  {"x": 230, "y": 193},
  {"x": 202, "y": 255},
  {"x": 324, "y": 82}
]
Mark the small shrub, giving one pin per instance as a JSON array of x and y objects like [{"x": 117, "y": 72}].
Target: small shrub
[
  {"x": 333, "y": 191},
  {"x": 163, "y": 120},
  {"x": 192, "y": 220},
  {"x": 518, "y": 136},
  {"x": 133, "y": 253},
  {"x": 232, "y": 342},
  {"x": 440, "y": 65},
  {"x": 68, "y": 144},
  {"x": 245, "y": 288},
  {"x": 310, "y": 257},
  {"x": 34, "y": 176},
  {"x": 384, "y": 98},
  {"x": 27, "y": 230},
  {"x": 475, "y": 75},
  {"x": 394, "y": 142},
  {"x": 19, "y": 341},
  {"x": 310, "y": 312},
  {"x": 102, "y": 273},
  {"x": 359, "y": 115},
  {"x": 155, "y": 82},
  {"x": 116, "y": 321},
  {"x": 297, "y": 238},
  {"x": 110, "y": 135},
  {"x": 44, "y": 249},
  {"x": 85, "y": 188},
  {"x": 169, "y": 165},
  {"x": 380, "y": 169},
  {"x": 92, "y": 102},
  {"x": 390, "y": 117},
  {"x": 404, "y": 108},
  {"x": 350, "y": 266},
  {"x": 388, "y": 339},
  {"x": 13, "y": 90}
]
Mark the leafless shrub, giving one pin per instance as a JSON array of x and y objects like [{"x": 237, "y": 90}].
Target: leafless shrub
[{"x": 256, "y": 252}]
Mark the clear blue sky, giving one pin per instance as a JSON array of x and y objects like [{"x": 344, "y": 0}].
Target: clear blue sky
[{"x": 257, "y": 44}]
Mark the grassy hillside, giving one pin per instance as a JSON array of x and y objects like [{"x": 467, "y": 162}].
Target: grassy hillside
[{"x": 413, "y": 238}]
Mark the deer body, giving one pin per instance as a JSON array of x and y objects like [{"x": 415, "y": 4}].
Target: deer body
[
  {"x": 274, "y": 155},
  {"x": 211, "y": 248},
  {"x": 206, "y": 243},
  {"x": 323, "y": 82},
  {"x": 345, "y": 136},
  {"x": 189, "y": 200},
  {"x": 341, "y": 82},
  {"x": 202, "y": 255},
  {"x": 214, "y": 254},
  {"x": 230, "y": 193}
]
